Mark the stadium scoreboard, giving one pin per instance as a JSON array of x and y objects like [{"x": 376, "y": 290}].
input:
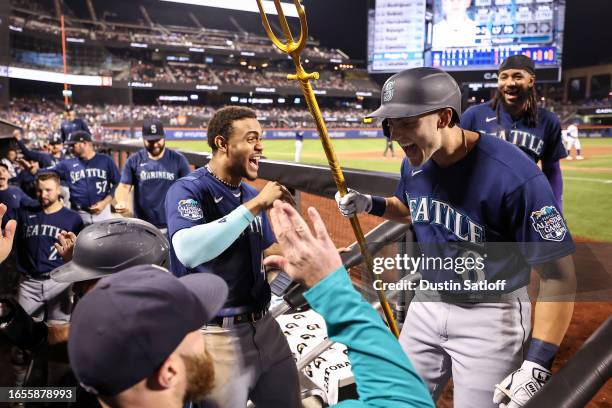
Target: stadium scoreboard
[{"x": 464, "y": 35}]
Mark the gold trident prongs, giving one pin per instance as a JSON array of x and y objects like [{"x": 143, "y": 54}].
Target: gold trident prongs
[{"x": 294, "y": 49}]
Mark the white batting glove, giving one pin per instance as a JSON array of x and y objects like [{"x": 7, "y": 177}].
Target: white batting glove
[
  {"x": 516, "y": 389},
  {"x": 353, "y": 203}
]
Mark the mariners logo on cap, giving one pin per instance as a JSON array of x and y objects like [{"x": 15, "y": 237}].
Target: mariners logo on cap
[
  {"x": 549, "y": 223},
  {"x": 190, "y": 209},
  {"x": 388, "y": 91}
]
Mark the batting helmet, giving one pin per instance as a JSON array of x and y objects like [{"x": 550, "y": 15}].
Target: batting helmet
[
  {"x": 110, "y": 246},
  {"x": 417, "y": 91}
]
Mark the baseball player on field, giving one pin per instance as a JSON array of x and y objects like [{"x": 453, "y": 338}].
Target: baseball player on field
[
  {"x": 513, "y": 115},
  {"x": 570, "y": 139},
  {"x": 217, "y": 224},
  {"x": 91, "y": 178},
  {"x": 151, "y": 171},
  {"x": 469, "y": 193}
]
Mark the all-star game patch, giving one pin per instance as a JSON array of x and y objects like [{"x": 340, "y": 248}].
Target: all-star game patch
[
  {"x": 549, "y": 223},
  {"x": 190, "y": 209}
]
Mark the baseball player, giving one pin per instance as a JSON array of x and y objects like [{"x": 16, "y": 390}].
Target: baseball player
[
  {"x": 101, "y": 249},
  {"x": 44, "y": 159},
  {"x": 153, "y": 354},
  {"x": 299, "y": 144},
  {"x": 38, "y": 230},
  {"x": 37, "y": 233},
  {"x": 71, "y": 123},
  {"x": 217, "y": 224},
  {"x": 91, "y": 178},
  {"x": 472, "y": 195},
  {"x": 570, "y": 139},
  {"x": 10, "y": 162},
  {"x": 11, "y": 196},
  {"x": 383, "y": 374},
  {"x": 151, "y": 171},
  {"x": 388, "y": 147},
  {"x": 514, "y": 115}
]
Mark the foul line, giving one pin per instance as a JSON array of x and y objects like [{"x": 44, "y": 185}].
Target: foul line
[{"x": 603, "y": 181}]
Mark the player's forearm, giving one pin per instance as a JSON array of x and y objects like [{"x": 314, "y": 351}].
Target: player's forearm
[
  {"x": 552, "y": 171},
  {"x": 396, "y": 211},
  {"x": 122, "y": 193},
  {"x": 107, "y": 200},
  {"x": 201, "y": 243},
  {"x": 383, "y": 374},
  {"x": 555, "y": 305}
]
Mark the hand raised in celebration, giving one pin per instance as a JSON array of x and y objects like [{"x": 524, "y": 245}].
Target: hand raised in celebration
[{"x": 307, "y": 257}]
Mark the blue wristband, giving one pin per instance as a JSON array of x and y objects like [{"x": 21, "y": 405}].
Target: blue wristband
[
  {"x": 379, "y": 206},
  {"x": 542, "y": 352}
]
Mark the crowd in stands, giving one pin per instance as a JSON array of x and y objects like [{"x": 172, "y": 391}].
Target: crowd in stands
[
  {"x": 41, "y": 117},
  {"x": 205, "y": 74}
]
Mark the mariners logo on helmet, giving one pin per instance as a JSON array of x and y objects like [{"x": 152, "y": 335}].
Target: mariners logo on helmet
[
  {"x": 388, "y": 91},
  {"x": 549, "y": 223},
  {"x": 190, "y": 209}
]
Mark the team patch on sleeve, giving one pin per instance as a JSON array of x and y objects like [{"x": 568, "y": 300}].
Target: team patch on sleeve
[
  {"x": 549, "y": 223},
  {"x": 190, "y": 209}
]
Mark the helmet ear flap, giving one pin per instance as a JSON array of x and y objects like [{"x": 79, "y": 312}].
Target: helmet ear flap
[{"x": 386, "y": 128}]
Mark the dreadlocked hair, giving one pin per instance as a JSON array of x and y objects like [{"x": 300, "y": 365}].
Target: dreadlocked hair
[{"x": 531, "y": 113}]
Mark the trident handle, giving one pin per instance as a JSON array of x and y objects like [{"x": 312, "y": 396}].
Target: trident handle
[{"x": 294, "y": 49}]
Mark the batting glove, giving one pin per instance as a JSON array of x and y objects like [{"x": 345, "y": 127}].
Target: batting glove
[
  {"x": 353, "y": 202},
  {"x": 516, "y": 389}
]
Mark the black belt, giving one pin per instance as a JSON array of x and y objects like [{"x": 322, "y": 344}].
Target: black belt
[{"x": 249, "y": 317}]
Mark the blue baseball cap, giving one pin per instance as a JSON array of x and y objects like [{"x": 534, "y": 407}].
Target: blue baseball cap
[
  {"x": 55, "y": 138},
  {"x": 78, "y": 136},
  {"x": 152, "y": 129},
  {"x": 126, "y": 327}
]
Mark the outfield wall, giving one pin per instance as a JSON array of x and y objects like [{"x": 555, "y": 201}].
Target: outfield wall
[{"x": 179, "y": 133}]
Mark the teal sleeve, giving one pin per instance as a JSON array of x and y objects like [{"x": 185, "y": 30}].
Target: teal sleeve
[
  {"x": 383, "y": 374},
  {"x": 198, "y": 244}
]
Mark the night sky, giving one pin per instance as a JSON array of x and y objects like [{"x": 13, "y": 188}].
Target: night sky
[{"x": 588, "y": 37}]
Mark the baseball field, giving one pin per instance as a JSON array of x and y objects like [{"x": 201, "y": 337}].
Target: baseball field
[{"x": 587, "y": 183}]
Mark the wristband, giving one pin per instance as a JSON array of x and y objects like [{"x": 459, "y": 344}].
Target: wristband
[
  {"x": 542, "y": 352},
  {"x": 379, "y": 206}
]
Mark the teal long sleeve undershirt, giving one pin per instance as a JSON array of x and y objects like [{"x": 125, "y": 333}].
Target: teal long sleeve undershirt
[
  {"x": 384, "y": 376},
  {"x": 201, "y": 243}
]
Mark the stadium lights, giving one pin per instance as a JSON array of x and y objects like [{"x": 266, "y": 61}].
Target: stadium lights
[{"x": 242, "y": 5}]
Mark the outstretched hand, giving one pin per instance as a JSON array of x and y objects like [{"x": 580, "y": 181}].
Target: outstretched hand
[
  {"x": 65, "y": 246},
  {"x": 6, "y": 236},
  {"x": 308, "y": 257}
]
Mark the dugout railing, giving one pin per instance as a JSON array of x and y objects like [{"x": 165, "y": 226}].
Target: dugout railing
[{"x": 575, "y": 384}]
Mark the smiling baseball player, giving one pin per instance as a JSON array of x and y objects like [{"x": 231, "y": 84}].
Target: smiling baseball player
[
  {"x": 513, "y": 115},
  {"x": 91, "y": 177},
  {"x": 462, "y": 191},
  {"x": 151, "y": 171},
  {"x": 217, "y": 224}
]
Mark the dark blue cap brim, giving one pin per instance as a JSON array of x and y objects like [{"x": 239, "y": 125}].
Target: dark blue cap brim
[
  {"x": 154, "y": 137},
  {"x": 210, "y": 290}
]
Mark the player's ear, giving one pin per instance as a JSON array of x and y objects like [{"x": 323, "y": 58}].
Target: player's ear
[
  {"x": 531, "y": 81},
  {"x": 220, "y": 143},
  {"x": 444, "y": 117}
]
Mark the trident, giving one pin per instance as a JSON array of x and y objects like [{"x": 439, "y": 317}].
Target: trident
[{"x": 294, "y": 49}]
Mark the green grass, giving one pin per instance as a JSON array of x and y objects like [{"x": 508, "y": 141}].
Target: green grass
[{"x": 587, "y": 196}]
